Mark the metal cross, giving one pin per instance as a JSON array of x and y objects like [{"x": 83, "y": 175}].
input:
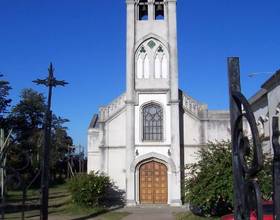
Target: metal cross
[{"x": 49, "y": 82}]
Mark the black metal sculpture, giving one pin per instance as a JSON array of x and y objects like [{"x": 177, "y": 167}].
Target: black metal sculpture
[
  {"x": 49, "y": 82},
  {"x": 247, "y": 155}
]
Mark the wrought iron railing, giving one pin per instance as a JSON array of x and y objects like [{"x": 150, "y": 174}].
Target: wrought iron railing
[{"x": 14, "y": 177}]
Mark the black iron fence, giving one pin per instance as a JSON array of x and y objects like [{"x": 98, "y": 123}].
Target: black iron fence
[{"x": 14, "y": 178}]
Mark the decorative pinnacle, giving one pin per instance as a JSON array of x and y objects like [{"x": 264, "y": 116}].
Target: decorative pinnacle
[{"x": 50, "y": 81}]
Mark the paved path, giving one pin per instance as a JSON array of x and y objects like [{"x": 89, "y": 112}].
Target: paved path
[{"x": 151, "y": 212}]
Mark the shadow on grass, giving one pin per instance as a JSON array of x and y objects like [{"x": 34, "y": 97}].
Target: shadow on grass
[
  {"x": 96, "y": 214},
  {"x": 113, "y": 200}
]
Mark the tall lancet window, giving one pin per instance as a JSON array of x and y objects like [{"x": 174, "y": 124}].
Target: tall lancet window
[
  {"x": 159, "y": 10},
  {"x": 146, "y": 67},
  {"x": 143, "y": 10},
  {"x": 157, "y": 67},
  {"x": 140, "y": 63},
  {"x": 152, "y": 122},
  {"x": 161, "y": 64},
  {"x": 164, "y": 66}
]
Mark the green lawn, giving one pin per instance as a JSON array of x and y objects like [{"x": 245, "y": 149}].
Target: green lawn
[
  {"x": 190, "y": 216},
  {"x": 60, "y": 207}
]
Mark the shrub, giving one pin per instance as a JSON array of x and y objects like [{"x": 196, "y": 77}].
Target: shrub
[
  {"x": 209, "y": 181},
  {"x": 88, "y": 190}
]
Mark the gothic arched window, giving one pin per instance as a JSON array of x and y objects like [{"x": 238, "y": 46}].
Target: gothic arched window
[
  {"x": 159, "y": 10},
  {"x": 152, "y": 122},
  {"x": 143, "y": 10},
  {"x": 151, "y": 60}
]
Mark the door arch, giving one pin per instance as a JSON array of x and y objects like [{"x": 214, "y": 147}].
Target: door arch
[{"x": 153, "y": 187}]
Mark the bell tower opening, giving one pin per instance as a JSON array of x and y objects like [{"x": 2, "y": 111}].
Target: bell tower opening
[
  {"x": 159, "y": 9},
  {"x": 143, "y": 10}
]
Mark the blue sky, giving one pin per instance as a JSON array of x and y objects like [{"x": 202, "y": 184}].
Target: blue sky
[{"x": 85, "y": 39}]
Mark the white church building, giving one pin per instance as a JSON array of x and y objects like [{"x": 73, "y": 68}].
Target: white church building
[{"x": 144, "y": 138}]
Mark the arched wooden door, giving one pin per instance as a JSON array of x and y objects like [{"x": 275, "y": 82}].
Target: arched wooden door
[{"x": 153, "y": 183}]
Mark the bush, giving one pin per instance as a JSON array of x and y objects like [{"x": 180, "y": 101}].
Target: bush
[
  {"x": 209, "y": 182},
  {"x": 88, "y": 190}
]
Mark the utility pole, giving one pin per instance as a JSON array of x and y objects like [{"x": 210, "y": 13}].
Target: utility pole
[{"x": 49, "y": 82}]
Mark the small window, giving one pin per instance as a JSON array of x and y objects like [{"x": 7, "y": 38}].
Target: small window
[
  {"x": 143, "y": 10},
  {"x": 159, "y": 10},
  {"x": 152, "y": 123}
]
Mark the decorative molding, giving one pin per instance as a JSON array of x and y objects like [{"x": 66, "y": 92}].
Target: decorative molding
[
  {"x": 170, "y": 163},
  {"x": 116, "y": 105},
  {"x": 192, "y": 105}
]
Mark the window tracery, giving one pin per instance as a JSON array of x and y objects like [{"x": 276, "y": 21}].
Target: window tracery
[
  {"x": 152, "y": 122},
  {"x": 152, "y": 60}
]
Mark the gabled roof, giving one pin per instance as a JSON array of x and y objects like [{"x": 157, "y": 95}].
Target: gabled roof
[
  {"x": 94, "y": 122},
  {"x": 272, "y": 82},
  {"x": 267, "y": 86}
]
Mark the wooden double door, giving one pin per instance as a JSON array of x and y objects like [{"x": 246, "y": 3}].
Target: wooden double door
[{"x": 153, "y": 183}]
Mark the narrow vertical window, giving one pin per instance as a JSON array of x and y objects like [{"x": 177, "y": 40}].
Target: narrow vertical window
[
  {"x": 143, "y": 10},
  {"x": 159, "y": 10},
  {"x": 164, "y": 67},
  {"x": 139, "y": 67},
  {"x": 146, "y": 67},
  {"x": 152, "y": 123},
  {"x": 157, "y": 67}
]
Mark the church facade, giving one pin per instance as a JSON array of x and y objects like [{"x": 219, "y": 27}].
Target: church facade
[{"x": 144, "y": 138}]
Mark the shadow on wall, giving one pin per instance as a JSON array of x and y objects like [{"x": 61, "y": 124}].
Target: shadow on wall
[{"x": 182, "y": 146}]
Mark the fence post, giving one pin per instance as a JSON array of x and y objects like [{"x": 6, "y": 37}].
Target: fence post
[
  {"x": 235, "y": 112},
  {"x": 276, "y": 167}
]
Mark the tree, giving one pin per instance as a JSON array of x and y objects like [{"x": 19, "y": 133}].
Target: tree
[
  {"x": 209, "y": 181},
  {"x": 61, "y": 143},
  {"x": 27, "y": 121},
  {"x": 4, "y": 101},
  {"x": 4, "y": 93}
]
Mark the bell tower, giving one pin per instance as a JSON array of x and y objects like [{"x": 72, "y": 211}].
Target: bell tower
[
  {"x": 152, "y": 77},
  {"x": 152, "y": 45}
]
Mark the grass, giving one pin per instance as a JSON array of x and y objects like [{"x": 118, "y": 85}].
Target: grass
[
  {"x": 60, "y": 207},
  {"x": 190, "y": 216}
]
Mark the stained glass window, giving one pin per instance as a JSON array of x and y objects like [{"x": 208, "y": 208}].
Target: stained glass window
[{"x": 152, "y": 123}]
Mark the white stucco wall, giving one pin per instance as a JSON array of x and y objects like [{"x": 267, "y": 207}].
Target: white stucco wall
[
  {"x": 191, "y": 129},
  {"x": 218, "y": 126},
  {"x": 93, "y": 162},
  {"x": 190, "y": 153},
  {"x": 115, "y": 158},
  {"x": 143, "y": 28},
  {"x": 115, "y": 130},
  {"x": 218, "y": 130},
  {"x": 141, "y": 150},
  {"x": 274, "y": 101},
  {"x": 94, "y": 139}
]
